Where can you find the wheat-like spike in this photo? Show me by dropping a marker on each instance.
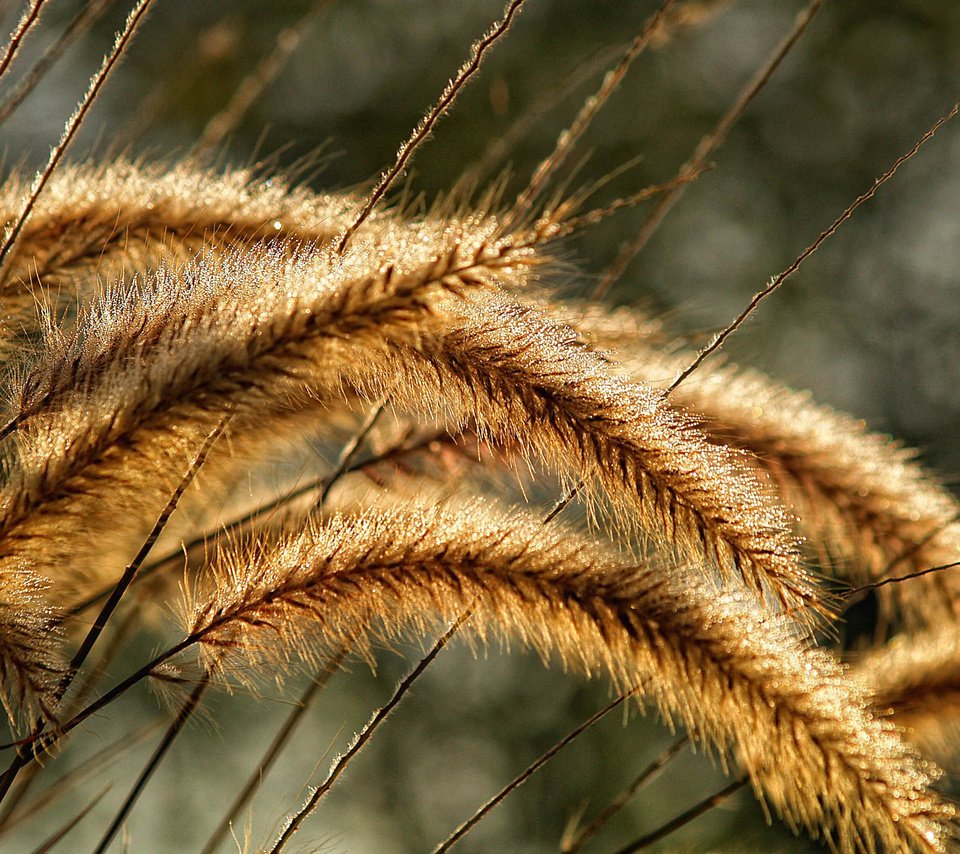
(860, 496)
(915, 680)
(256, 333)
(736, 679)
(29, 670)
(523, 381)
(95, 224)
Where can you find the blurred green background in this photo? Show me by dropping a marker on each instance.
(871, 324)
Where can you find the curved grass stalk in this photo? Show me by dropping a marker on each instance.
(95, 225)
(869, 509)
(805, 736)
(256, 333)
(526, 384)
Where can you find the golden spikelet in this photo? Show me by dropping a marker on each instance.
(736, 678)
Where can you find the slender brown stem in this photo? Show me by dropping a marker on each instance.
(70, 131)
(644, 778)
(499, 145)
(588, 112)
(426, 125)
(718, 341)
(24, 25)
(527, 773)
(111, 753)
(704, 150)
(293, 822)
(273, 751)
(114, 599)
(349, 453)
(56, 837)
(694, 812)
(88, 15)
(175, 728)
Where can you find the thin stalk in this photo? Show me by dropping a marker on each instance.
(643, 779)
(426, 125)
(252, 86)
(588, 112)
(70, 131)
(294, 821)
(55, 838)
(88, 15)
(114, 599)
(695, 811)
(349, 453)
(527, 773)
(189, 707)
(705, 148)
(24, 25)
(722, 336)
(273, 751)
(111, 753)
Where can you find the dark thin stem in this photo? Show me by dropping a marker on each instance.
(705, 148)
(424, 128)
(500, 145)
(31, 771)
(564, 502)
(349, 453)
(897, 579)
(131, 571)
(644, 778)
(111, 753)
(88, 15)
(526, 774)
(56, 837)
(273, 751)
(718, 341)
(172, 732)
(293, 822)
(70, 131)
(114, 599)
(695, 811)
(588, 112)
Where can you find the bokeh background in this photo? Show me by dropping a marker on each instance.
(870, 324)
